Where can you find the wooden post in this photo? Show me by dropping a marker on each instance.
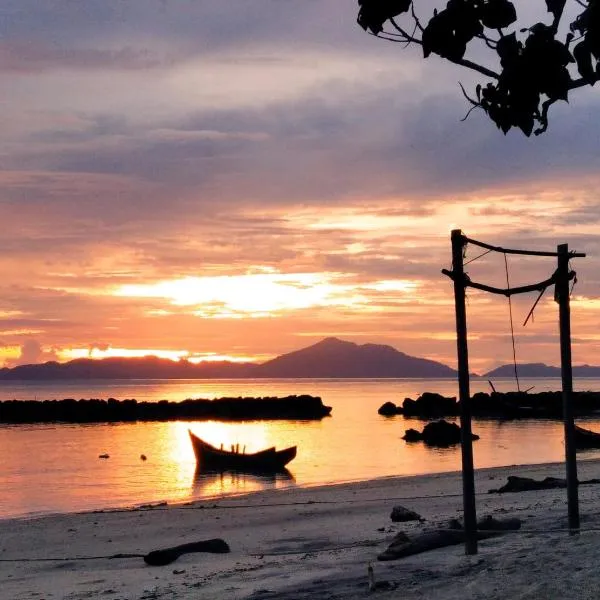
(562, 296)
(468, 476)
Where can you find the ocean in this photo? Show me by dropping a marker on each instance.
(50, 468)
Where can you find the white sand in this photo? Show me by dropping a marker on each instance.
(313, 543)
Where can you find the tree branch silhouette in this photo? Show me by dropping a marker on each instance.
(534, 69)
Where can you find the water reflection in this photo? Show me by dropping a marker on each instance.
(356, 443)
(213, 483)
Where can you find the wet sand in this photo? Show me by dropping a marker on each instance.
(313, 543)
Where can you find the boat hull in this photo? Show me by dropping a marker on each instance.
(210, 458)
(586, 439)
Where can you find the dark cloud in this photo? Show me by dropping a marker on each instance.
(80, 34)
(177, 157)
(349, 145)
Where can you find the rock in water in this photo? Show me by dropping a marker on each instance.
(412, 435)
(388, 409)
(437, 433)
(443, 433)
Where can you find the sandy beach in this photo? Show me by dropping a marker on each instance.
(313, 543)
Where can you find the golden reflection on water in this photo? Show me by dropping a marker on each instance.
(250, 437)
(172, 463)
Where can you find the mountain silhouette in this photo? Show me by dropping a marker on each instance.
(329, 358)
(147, 367)
(333, 357)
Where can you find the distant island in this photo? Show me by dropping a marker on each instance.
(541, 370)
(329, 358)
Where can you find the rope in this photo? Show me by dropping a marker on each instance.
(512, 329)
(72, 558)
(530, 313)
(574, 280)
(477, 257)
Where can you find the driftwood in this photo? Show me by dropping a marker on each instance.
(402, 545)
(526, 484)
(168, 555)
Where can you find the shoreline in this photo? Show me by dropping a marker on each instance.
(311, 542)
(176, 503)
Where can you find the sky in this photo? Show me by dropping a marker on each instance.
(242, 179)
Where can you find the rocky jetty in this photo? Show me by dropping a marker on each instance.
(110, 411)
(496, 405)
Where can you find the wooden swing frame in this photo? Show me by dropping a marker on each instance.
(560, 279)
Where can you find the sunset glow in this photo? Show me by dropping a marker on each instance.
(218, 192)
(259, 294)
(73, 353)
(175, 355)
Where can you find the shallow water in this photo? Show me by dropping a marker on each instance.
(50, 468)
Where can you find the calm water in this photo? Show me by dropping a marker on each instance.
(50, 468)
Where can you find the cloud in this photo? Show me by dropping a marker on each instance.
(31, 352)
(26, 57)
(148, 140)
(350, 145)
(98, 346)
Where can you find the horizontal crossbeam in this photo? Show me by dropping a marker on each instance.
(524, 289)
(512, 251)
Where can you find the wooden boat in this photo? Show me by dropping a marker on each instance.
(211, 458)
(586, 439)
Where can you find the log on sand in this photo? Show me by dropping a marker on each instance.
(168, 555)
(402, 545)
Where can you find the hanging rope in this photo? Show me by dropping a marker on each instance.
(530, 313)
(540, 287)
(574, 280)
(512, 329)
(572, 286)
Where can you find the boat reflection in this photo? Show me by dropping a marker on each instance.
(219, 483)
